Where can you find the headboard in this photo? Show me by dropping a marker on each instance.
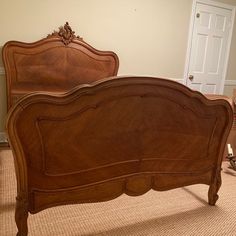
(56, 63)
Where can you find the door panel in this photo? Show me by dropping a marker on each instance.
(200, 53)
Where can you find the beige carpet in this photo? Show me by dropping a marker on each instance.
(182, 211)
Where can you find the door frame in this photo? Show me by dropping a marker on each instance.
(190, 35)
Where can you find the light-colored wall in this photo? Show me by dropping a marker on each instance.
(150, 37)
(138, 31)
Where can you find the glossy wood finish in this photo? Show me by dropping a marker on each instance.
(56, 63)
(120, 135)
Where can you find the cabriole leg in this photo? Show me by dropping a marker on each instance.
(21, 215)
(214, 188)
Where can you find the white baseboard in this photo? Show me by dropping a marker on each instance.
(227, 82)
(230, 82)
(3, 137)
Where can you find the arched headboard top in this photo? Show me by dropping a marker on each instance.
(56, 63)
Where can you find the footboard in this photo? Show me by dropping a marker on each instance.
(120, 135)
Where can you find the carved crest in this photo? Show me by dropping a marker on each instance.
(65, 33)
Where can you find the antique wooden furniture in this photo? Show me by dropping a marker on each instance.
(120, 135)
(56, 63)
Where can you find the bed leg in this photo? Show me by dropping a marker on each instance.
(21, 215)
(214, 188)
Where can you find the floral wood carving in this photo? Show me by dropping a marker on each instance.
(65, 33)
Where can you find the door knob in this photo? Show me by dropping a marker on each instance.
(191, 77)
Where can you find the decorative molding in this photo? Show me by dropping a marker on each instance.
(2, 71)
(65, 33)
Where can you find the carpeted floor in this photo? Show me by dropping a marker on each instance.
(182, 211)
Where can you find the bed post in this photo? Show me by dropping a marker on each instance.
(214, 188)
(21, 214)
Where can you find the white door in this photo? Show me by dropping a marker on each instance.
(209, 43)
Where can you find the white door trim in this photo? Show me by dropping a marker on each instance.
(187, 61)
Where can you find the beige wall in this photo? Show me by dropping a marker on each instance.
(150, 37)
(137, 30)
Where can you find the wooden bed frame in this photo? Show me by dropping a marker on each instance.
(56, 63)
(119, 135)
